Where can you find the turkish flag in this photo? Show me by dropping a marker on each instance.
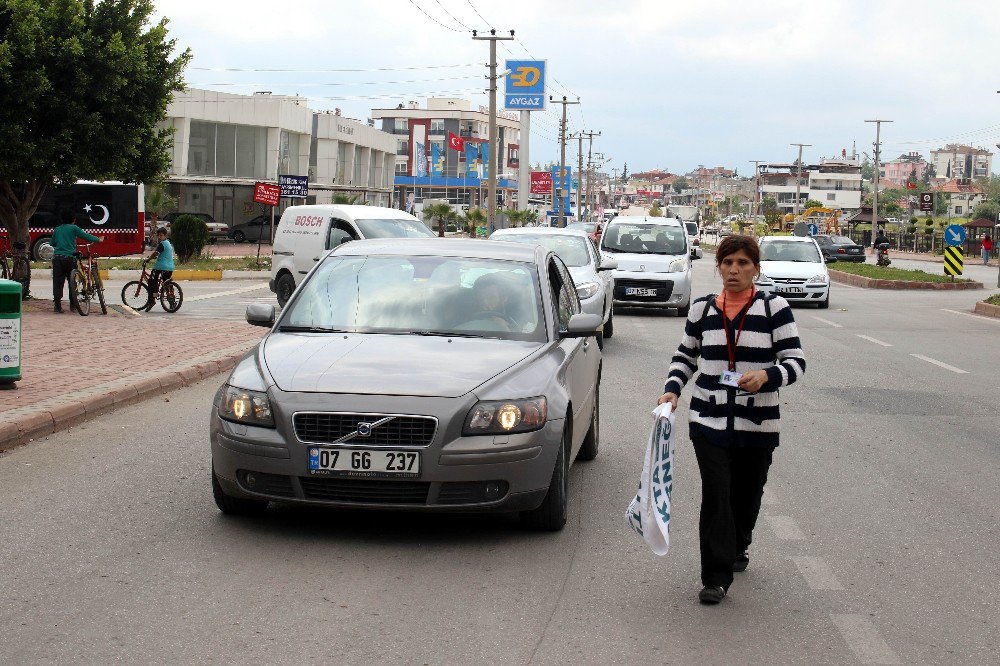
(911, 186)
(455, 142)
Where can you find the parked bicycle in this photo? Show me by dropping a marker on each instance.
(85, 283)
(14, 265)
(136, 294)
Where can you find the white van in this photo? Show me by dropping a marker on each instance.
(305, 233)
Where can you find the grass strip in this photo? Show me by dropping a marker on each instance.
(890, 273)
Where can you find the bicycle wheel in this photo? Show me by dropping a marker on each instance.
(171, 296)
(135, 295)
(78, 287)
(99, 288)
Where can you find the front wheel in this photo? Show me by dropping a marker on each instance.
(171, 296)
(592, 442)
(135, 295)
(78, 287)
(683, 312)
(95, 275)
(284, 288)
(551, 514)
(825, 303)
(609, 325)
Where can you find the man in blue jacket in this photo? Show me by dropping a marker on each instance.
(64, 261)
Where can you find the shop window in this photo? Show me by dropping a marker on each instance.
(201, 149)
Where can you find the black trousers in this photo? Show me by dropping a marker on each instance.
(732, 484)
(62, 267)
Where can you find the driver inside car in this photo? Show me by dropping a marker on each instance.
(491, 303)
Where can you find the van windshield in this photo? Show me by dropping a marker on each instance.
(398, 228)
(644, 239)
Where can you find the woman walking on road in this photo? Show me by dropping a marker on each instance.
(749, 347)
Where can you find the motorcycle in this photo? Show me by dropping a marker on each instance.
(883, 255)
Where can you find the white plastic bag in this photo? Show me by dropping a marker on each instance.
(649, 512)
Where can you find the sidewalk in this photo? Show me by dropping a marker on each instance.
(75, 368)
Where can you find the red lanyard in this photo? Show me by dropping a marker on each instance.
(730, 344)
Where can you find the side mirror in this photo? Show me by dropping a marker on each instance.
(608, 265)
(582, 326)
(260, 314)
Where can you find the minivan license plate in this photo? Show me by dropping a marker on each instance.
(639, 291)
(363, 463)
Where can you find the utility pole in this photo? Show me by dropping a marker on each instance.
(492, 169)
(756, 192)
(798, 178)
(579, 174)
(590, 149)
(878, 148)
(562, 159)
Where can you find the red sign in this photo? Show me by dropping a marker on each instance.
(267, 194)
(541, 182)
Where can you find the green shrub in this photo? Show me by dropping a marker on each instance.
(189, 234)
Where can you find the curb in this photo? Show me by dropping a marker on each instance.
(987, 309)
(25, 424)
(872, 283)
(185, 275)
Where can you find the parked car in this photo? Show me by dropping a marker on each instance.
(254, 229)
(694, 239)
(216, 230)
(592, 229)
(840, 248)
(305, 233)
(794, 267)
(654, 262)
(419, 374)
(592, 276)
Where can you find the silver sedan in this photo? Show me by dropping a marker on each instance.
(437, 374)
(592, 274)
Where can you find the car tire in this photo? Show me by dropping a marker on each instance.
(683, 312)
(550, 516)
(825, 303)
(235, 506)
(609, 325)
(239, 237)
(284, 287)
(592, 442)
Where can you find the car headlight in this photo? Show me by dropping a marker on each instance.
(818, 279)
(586, 289)
(243, 406)
(763, 279)
(499, 417)
(677, 265)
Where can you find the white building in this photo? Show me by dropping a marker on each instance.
(224, 143)
(835, 183)
(960, 161)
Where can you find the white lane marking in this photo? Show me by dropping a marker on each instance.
(875, 340)
(977, 317)
(216, 294)
(785, 528)
(828, 322)
(864, 640)
(817, 573)
(940, 364)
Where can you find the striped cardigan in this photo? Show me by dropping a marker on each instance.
(720, 413)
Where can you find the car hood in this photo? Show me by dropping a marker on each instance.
(371, 364)
(650, 263)
(792, 269)
(582, 274)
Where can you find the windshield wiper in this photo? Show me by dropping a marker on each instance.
(445, 334)
(288, 328)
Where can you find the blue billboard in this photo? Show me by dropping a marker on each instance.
(524, 85)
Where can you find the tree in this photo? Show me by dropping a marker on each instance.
(441, 212)
(82, 88)
(680, 184)
(811, 203)
(520, 218)
(189, 234)
(625, 172)
(655, 210)
(867, 169)
(987, 209)
(158, 204)
(344, 199)
(473, 218)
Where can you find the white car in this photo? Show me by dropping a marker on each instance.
(590, 272)
(694, 239)
(654, 262)
(794, 267)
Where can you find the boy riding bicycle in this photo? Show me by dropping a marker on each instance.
(163, 269)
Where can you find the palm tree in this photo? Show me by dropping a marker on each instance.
(345, 199)
(473, 218)
(520, 218)
(158, 204)
(441, 212)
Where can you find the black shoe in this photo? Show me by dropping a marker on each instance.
(711, 594)
(58, 309)
(741, 562)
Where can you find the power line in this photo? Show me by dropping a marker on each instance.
(396, 95)
(324, 71)
(360, 83)
(454, 18)
(481, 17)
(448, 27)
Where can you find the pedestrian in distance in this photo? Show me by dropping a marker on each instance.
(64, 259)
(987, 248)
(743, 345)
(163, 268)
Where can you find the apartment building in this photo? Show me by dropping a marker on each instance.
(961, 161)
(898, 171)
(835, 183)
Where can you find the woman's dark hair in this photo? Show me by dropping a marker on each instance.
(735, 243)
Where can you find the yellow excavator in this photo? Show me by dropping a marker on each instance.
(827, 219)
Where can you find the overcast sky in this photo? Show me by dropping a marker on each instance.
(669, 85)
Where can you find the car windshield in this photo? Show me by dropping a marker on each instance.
(420, 295)
(571, 249)
(582, 226)
(789, 251)
(692, 228)
(398, 228)
(644, 239)
(841, 240)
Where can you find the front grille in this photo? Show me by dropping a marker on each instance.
(663, 289)
(789, 280)
(472, 492)
(326, 428)
(365, 491)
(275, 485)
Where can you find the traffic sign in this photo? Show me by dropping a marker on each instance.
(813, 229)
(954, 234)
(953, 260)
(927, 202)
(266, 193)
(524, 85)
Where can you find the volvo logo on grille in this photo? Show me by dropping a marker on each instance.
(364, 429)
(642, 267)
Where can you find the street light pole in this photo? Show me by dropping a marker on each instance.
(491, 210)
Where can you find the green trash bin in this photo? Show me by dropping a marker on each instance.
(10, 333)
